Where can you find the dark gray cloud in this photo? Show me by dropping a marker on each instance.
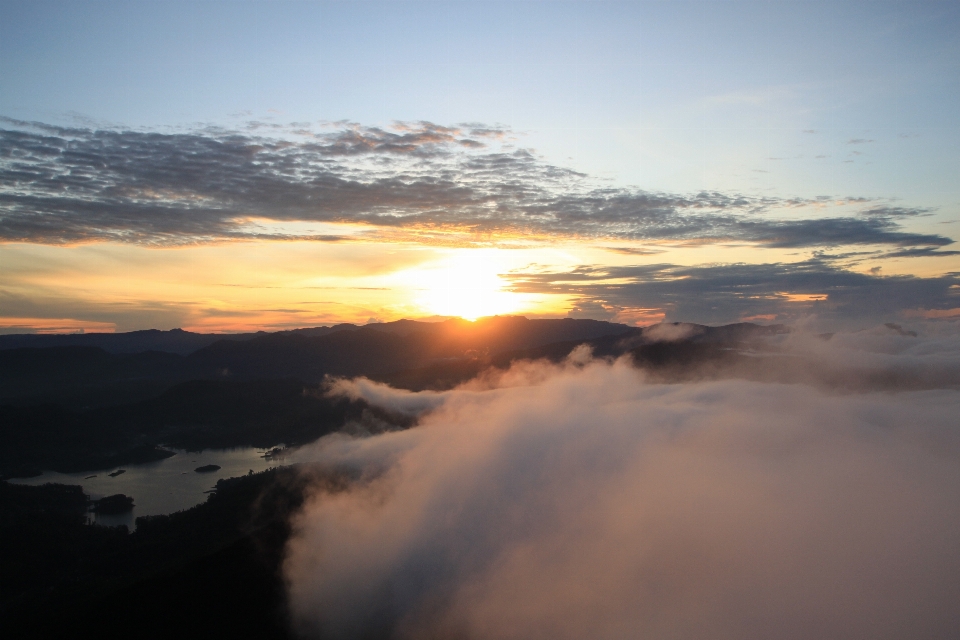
(727, 293)
(918, 252)
(60, 184)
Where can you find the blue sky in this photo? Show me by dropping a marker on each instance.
(662, 95)
(763, 99)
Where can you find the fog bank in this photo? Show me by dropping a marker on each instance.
(578, 501)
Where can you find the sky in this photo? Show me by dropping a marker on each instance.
(234, 166)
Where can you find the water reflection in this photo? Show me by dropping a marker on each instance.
(167, 485)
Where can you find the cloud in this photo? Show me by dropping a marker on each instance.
(400, 402)
(45, 307)
(67, 185)
(890, 212)
(419, 138)
(635, 251)
(669, 332)
(715, 294)
(934, 313)
(920, 252)
(587, 503)
(827, 232)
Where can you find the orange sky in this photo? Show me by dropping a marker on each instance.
(270, 285)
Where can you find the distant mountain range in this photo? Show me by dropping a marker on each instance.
(97, 369)
(173, 341)
(501, 330)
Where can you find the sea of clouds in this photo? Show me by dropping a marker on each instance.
(581, 500)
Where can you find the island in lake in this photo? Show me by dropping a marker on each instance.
(207, 468)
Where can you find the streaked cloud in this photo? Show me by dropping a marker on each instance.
(635, 251)
(728, 292)
(919, 252)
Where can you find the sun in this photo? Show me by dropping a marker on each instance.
(466, 284)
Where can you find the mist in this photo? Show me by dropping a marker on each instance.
(585, 500)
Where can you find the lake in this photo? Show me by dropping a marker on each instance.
(164, 486)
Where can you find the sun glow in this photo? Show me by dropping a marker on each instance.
(466, 284)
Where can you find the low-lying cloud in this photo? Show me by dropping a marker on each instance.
(579, 500)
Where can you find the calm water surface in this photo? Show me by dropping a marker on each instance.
(165, 486)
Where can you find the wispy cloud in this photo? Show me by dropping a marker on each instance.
(635, 251)
(67, 185)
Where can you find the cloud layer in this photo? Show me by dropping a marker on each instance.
(577, 501)
(723, 293)
(62, 185)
